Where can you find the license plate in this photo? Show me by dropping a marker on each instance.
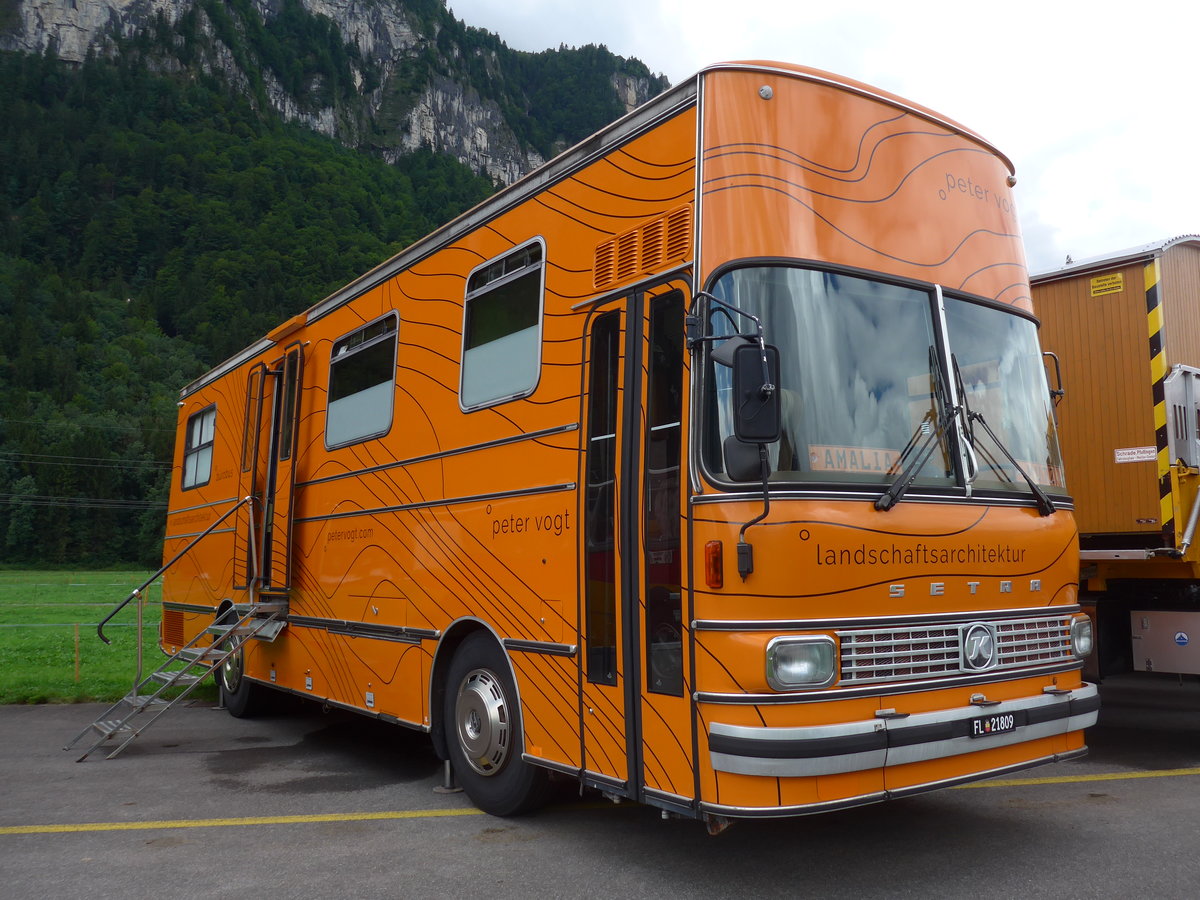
(985, 726)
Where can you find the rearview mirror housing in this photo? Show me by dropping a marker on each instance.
(756, 406)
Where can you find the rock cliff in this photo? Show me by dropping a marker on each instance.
(417, 78)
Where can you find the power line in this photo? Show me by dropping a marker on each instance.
(4, 420)
(92, 462)
(80, 502)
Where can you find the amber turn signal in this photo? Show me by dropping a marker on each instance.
(714, 565)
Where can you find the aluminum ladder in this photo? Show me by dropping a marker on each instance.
(156, 694)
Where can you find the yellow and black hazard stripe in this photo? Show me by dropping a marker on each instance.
(1158, 378)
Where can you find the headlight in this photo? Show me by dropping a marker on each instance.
(801, 662)
(1081, 636)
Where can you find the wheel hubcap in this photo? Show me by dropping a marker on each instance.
(231, 672)
(482, 721)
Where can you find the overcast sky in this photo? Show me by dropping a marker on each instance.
(1097, 109)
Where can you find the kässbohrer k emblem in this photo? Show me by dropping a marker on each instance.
(979, 646)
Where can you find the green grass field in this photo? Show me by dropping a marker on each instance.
(39, 612)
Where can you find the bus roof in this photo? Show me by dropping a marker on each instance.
(666, 105)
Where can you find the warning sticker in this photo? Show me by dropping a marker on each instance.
(1108, 284)
(1135, 454)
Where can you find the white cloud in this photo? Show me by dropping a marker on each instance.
(1092, 102)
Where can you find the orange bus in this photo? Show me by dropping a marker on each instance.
(713, 465)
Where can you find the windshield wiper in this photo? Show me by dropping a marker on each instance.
(924, 448)
(1044, 504)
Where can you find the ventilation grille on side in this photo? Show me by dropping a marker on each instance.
(645, 249)
(172, 628)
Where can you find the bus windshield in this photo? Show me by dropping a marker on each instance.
(863, 384)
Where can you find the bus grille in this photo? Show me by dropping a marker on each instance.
(930, 651)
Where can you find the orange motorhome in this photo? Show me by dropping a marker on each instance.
(712, 465)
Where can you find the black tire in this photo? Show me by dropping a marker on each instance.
(483, 731)
(242, 697)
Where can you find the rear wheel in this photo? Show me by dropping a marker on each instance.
(242, 697)
(483, 731)
(239, 695)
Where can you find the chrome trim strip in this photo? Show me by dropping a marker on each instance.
(191, 534)
(470, 448)
(449, 501)
(871, 623)
(400, 633)
(547, 648)
(771, 812)
(183, 509)
(668, 797)
(798, 752)
(565, 769)
(603, 782)
(1018, 501)
(856, 746)
(882, 689)
(188, 607)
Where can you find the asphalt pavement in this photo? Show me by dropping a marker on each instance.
(315, 804)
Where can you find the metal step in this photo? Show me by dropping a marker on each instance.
(179, 677)
(267, 631)
(198, 655)
(198, 662)
(109, 727)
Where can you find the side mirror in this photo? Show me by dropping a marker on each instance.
(1056, 393)
(756, 406)
(743, 462)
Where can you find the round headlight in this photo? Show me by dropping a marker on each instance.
(801, 662)
(1082, 640)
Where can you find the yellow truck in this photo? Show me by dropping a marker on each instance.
(1124, 334)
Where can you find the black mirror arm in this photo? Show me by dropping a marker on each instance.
(745, 552)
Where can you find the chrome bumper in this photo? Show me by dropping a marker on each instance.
(875, 743)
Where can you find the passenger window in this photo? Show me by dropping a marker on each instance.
(502, 333)
(362, 375)
(197, 452)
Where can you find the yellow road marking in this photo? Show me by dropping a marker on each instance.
(471, 811)
(1076, 779)
(248, 820)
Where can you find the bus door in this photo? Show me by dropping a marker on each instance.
(636, 720)
(264, 537)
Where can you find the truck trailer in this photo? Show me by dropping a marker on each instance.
(1124, 331)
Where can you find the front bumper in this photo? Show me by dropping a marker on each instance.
(894, 741)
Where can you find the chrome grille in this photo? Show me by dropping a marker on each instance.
(929, 651)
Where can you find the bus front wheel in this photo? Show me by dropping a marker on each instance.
(483, 729)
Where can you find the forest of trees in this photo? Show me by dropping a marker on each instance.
(153, 224)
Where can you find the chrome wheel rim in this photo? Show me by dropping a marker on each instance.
(482, 721)
(231, 672)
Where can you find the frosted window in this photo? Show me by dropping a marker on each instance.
(362, 373)
(502, 334)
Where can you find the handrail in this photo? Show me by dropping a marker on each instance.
(136, 592)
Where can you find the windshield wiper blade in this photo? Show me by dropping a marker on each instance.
(904, 480)
(1044, 504)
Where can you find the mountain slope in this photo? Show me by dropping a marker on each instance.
(164, 202)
